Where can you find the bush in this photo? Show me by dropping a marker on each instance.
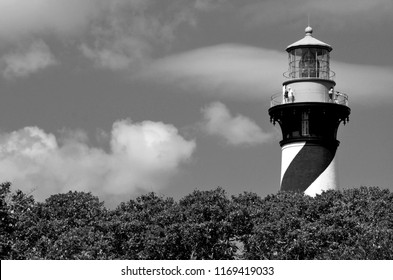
(144, 228)
(206, 230)
(349, 224)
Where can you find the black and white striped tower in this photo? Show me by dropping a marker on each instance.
(309, 111)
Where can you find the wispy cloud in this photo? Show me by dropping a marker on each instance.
(130, 33)
(334, 14)
(20, 18)
(121, 54)
(27, 60)
(228, 70)
(243, 72)
(142, 156)
(113, 34)
(235, 130)
(365, 84)
(26, 25)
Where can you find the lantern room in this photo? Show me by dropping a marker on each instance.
(309, 58)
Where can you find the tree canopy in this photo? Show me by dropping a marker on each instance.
(348, 224)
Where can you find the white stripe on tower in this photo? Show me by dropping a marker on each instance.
(288, 153)
(326, 181)
(309, 166)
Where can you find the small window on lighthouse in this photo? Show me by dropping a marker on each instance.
(305, 124)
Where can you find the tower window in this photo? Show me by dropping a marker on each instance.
(305, 124)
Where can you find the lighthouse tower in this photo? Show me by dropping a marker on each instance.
(309, 110)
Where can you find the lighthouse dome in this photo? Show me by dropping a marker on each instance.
(309, 41)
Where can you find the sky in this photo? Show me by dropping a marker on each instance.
(124, 97)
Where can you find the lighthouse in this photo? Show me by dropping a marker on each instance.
(309, 111)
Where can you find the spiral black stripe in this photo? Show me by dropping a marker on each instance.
(307, 166)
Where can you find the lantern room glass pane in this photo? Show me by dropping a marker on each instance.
(309, 63)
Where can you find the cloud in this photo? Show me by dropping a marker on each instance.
(236, 131)
(365, 84)
(128, 34)
(115, 34)
(142, 156)
(27, 26)
(248, 73)
(121, 54)
(336, 14)
(151, 151)
(131, 33)
(209, 5)
(228, 70)
(123, 35)
(27, 60)
(20, 18)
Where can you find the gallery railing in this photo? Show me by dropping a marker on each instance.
(337, 98)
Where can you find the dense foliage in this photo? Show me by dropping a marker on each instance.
(349, 224)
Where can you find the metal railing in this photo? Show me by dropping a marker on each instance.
(309, 73)
(336, 98)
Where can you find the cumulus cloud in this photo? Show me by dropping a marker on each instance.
(142, 156)
(27, 60)
(235, 130)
